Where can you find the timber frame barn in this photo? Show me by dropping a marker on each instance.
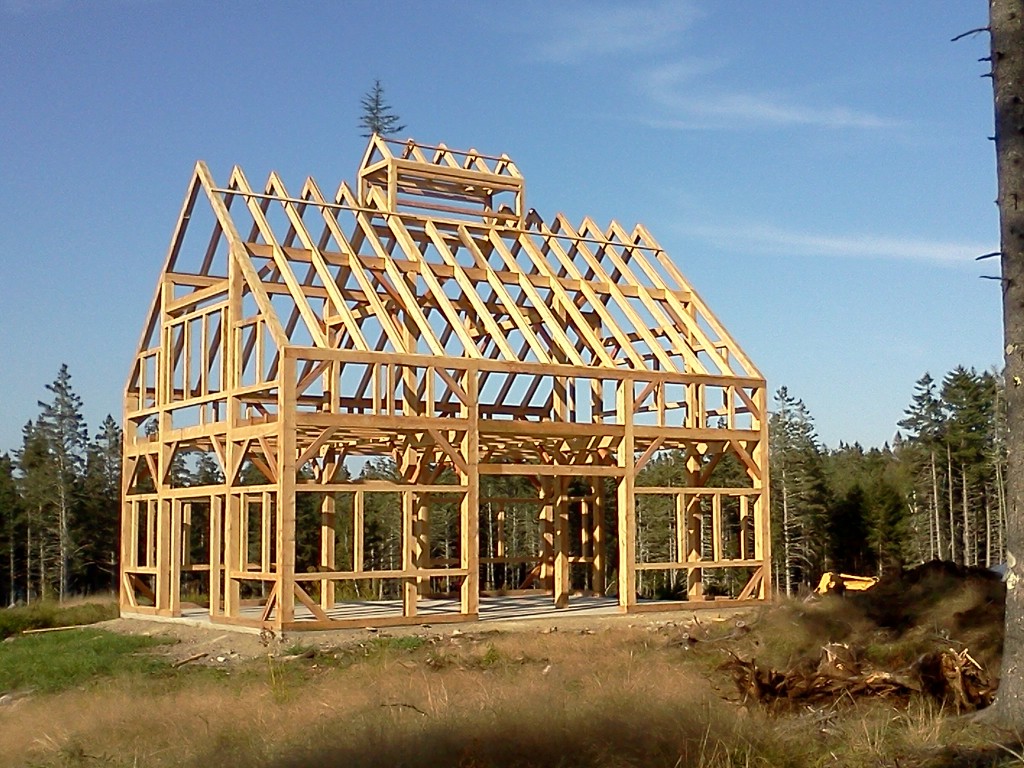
(430, 319)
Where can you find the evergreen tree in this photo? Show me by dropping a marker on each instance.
(924, 422)
(799, 492)
(10, 517)
(968, 402)
(97, 530)
(35, 486)
(382, 520)
(207, 471)
(870, 524)
(62, 427)
(889, 527)
(377, 117)
(848, 526)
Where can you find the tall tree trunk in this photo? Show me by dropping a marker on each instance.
(786, 537)
(968, 549)
(62, 544)
(988, 530)
(1007, 36)
(28, 558)
(1000, 510)
(43, 586)
(951, 509)
(11, 545)
(640, 548)
(935, 506)
(915, 515)
(931, 533)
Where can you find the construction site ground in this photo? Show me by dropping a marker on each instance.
(935, 607)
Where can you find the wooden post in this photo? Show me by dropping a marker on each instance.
(162, 585)
(232, 554)
(286, 457)
(234, 509)
(421, 540)
(694, 521)
(547, 534)
(599, 565)
(410, 590)
(470, 513)
(762, 503)
(559, 501)
(174, 552)
(216, 554)
(358, 521)
(625, 459)
(186, 533)
(328, 543)
(129, 550)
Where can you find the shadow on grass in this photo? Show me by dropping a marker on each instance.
(624, 733)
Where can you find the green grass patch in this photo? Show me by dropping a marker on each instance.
(52, 614)
(379, 649)
(405, 643)
(60, 660)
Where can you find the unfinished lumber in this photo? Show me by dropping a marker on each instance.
(428, 317)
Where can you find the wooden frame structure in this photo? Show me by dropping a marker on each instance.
(430, 317)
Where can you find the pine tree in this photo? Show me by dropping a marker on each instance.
(207, 472)
(382, 519)
(97, 530)
(848, 526)
(10, 517)
(924, 422)
(35, 486)
(377, 117)
(799, 492)
(62, 427)
(968, 401)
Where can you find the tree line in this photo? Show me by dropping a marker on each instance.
(60, 502)
(937, 492)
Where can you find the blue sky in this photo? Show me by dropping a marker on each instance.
(820, 172)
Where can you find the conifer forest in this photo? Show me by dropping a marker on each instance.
(936, 492)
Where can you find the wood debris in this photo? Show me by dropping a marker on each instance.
(53, 629)
(953, 678)
(193, 657)
(957, 680)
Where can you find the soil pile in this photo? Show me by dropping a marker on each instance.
(935, 630)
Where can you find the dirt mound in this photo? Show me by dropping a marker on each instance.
(937, 591)
(936, 629)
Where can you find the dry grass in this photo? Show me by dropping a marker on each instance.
(643, 695)
(519, 699)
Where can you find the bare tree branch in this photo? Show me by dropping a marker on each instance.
(969, 33)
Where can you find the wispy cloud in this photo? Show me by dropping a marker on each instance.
(766, 239)
(689, 101)
(741, 110)
(687, 93)
(579, 31)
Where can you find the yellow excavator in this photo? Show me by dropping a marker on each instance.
(837, 583)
